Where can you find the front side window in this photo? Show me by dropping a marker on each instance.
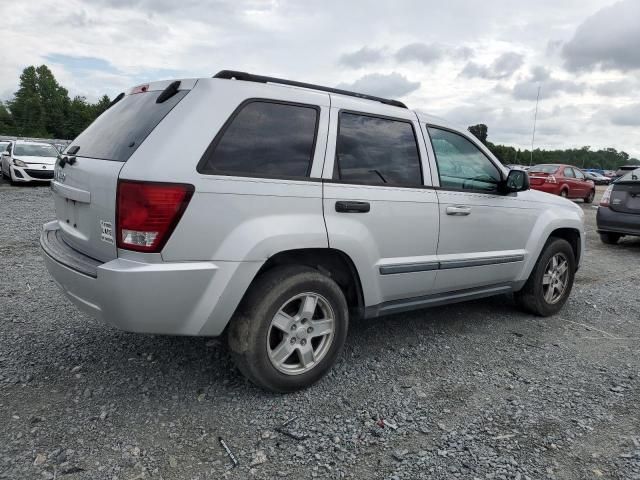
(461, 165)
(377, 151)
(265, 139)
(579, 174)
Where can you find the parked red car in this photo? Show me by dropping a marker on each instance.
(563, 180)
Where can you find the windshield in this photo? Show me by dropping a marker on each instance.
(632, 176)
(35, 150)
(544, 168)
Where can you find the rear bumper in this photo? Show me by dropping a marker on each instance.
(176, 298)
(608, 220)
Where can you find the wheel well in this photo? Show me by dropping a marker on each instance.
(333, 263)
(572, 236)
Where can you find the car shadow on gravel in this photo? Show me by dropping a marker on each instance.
(95, 357)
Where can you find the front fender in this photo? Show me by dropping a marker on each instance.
(551, 219)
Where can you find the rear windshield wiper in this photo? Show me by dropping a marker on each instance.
(116, 100)
(168, 92)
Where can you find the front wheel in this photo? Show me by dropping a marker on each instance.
(551, 280)
(289, 329)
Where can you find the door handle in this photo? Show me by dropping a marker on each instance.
(352, 207)
(459, 210)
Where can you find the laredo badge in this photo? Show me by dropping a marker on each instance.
(107, 232)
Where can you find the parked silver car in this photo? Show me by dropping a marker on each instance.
(275, 211)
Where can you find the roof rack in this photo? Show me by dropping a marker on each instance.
(249, 77)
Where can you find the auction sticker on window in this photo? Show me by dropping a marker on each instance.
(107, 231)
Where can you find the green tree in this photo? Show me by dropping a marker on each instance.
(6, 121)
(101, 106)
(80, 115)
(26, 107)
(480, 131)
(54, 100)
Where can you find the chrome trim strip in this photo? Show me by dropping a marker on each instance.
(447, 264)
(478, 262)
(409, 268)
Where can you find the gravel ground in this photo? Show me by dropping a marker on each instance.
(475, 390)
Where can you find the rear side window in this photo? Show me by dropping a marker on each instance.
(375, 151)
(632, 176)
(265, 139)
(119, 131)
(568, 172)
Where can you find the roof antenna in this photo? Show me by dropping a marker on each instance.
(535, 118)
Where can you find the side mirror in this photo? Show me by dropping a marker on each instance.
(517, 181)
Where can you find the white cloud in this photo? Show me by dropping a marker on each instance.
(415, 52)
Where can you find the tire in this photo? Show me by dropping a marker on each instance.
(564, 193)
(532, 296)
(610, 238)
(590, 197)
(253, 338)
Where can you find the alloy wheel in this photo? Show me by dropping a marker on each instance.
(555, 278)
(301, 333)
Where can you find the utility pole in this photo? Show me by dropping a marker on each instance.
(535, 118)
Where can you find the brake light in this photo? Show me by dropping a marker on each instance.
(139, 89)
(606, 196)
(147, 213)
(551, 179)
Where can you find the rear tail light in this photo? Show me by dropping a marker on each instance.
(551, 179)
(147, 213)
(606, 196)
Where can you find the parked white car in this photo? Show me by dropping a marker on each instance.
(274, 212)
(24, 161)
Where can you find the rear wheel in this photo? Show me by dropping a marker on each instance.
(289, 329)
(564, 193)
(589, 198)
(551, 280)
(610, 238)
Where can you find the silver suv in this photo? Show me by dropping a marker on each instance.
(274, 212)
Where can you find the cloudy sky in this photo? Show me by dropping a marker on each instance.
(469, 61)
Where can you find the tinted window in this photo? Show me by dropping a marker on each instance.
(568, 172)
(461, 165)
(119, 131)
(376, 150)
(265, 139)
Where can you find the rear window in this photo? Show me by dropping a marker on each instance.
(119, 131)
(632, 176)
(544, 168)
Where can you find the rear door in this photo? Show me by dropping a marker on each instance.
(86, 174)
(376, 207)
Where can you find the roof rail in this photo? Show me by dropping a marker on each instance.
(249, 77)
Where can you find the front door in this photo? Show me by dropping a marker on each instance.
(376, 207)
(483, 234)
